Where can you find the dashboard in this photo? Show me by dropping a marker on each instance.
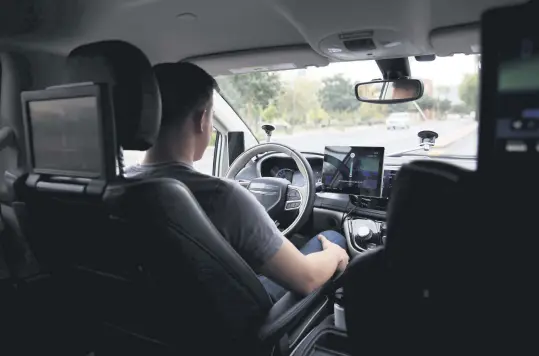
(333, 209)
(280, 165)
(285, 167)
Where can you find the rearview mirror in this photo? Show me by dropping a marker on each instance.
(389, 91)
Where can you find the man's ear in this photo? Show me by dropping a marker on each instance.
(199, 122)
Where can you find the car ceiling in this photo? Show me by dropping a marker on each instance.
(212, 27)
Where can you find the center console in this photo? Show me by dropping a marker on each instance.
(357, 177)
(355, 184)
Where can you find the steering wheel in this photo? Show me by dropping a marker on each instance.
(278, 195)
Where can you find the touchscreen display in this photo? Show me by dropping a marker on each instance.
(387, 183)
(353, 170)
(66, 135)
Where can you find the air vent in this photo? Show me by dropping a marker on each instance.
(364, 44)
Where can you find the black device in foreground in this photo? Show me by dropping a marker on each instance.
(71, 132)
(509, 125)
(353, 170)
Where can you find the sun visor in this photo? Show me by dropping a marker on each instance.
(260, 60)
(447, 41)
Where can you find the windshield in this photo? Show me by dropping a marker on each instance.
(316, 107)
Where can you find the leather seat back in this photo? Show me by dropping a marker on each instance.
(409, 295)
(141, 269)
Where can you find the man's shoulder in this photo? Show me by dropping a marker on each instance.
(230, 184)
(199, 183)
(176, 171)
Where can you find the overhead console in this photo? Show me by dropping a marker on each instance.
(366, 44)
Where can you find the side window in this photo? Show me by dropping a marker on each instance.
(207, 163)
(132, 158)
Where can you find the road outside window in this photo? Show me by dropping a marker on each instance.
(316, 107)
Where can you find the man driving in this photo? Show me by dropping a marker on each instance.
(186, 128)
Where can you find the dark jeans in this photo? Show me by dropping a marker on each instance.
(313, 245)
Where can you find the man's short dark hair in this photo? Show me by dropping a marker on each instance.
(186, 89)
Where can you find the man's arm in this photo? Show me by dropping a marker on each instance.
(304, 274)
(253, 234)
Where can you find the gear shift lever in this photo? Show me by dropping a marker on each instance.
(268, 129)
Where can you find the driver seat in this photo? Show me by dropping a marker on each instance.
(140, 269)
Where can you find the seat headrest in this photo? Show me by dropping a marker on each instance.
(425, 215)
(135, 92)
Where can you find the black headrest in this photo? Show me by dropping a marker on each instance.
(136, 97)
(427, 215)
(420, 284)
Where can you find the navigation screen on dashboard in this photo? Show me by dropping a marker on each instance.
(387, 183)
(353, 170)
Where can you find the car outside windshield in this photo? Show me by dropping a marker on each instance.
(316, 107)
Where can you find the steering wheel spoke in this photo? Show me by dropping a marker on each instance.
(294, 197)
(244, 183)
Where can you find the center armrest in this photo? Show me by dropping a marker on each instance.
(289, 311)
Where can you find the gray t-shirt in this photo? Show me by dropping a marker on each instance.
(235, 212)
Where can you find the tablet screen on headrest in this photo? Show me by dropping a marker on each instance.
(66, 135)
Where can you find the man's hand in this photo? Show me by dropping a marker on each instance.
(339, 252)
(305, 273)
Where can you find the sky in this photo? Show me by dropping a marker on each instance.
(447, 71)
